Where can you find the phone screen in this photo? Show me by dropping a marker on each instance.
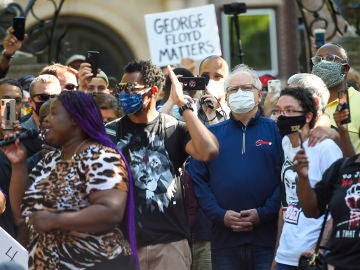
(8, 115)
(274, 86)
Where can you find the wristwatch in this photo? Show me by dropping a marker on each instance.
(6, 56)
(186, 106)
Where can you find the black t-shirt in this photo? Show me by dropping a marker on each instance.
(341, 191)
(155, 152)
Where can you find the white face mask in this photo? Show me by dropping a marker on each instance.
(241, 101)
(215, 88)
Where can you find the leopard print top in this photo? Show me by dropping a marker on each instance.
(64, 185)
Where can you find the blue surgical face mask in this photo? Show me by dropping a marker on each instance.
(132, 103)
(176, 114)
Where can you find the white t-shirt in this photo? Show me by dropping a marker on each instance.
(300, 233)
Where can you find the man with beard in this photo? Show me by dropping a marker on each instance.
(156, 145)
(331, 64)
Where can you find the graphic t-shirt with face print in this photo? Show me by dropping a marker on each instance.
(155, 152)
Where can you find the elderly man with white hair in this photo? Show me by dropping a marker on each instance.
(238, 190)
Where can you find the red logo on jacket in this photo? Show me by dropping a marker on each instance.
(261, 142)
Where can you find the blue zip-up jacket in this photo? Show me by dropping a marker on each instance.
(245, 175)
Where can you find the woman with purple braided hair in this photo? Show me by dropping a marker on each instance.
(74, 200)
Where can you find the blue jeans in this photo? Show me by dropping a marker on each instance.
(244, 257)
(280, 266)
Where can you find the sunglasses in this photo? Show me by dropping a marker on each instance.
(330, 57)
(44, 97)
(70, 87)
(129, 87)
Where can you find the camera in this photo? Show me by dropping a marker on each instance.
(234, 8)
(208, 103)
(192, 83)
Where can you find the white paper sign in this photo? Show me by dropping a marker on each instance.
(186, 33)
(12, 251)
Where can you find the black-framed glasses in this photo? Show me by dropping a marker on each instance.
(44, 97)
(286, 112)
(129, 87)
(70, 87)
(245, 87)
(330, 57)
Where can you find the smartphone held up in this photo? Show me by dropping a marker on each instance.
(8, 114)
(344, 104)
(19, 27)
(274, 86)
(92, 57)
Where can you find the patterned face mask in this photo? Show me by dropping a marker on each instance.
(132, 103)
(329, 72)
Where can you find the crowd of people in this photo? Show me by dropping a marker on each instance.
(103, 184)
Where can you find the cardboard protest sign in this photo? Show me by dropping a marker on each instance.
(12, 251)
(186, 33)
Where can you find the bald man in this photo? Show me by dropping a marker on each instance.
(218, 70)
(331, 64)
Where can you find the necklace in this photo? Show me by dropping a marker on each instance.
(76, 149)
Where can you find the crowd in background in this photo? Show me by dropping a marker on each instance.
(146, 175)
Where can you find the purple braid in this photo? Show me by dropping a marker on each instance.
(82, 107)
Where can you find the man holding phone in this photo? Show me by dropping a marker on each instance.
(332, 66)
(11, 44)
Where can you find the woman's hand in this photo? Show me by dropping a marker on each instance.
(301, 164)
(15, 152)
(42, 221)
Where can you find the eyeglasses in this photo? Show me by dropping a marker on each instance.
(129, 87)
(330, 57)
(285, 112)
(244, 87)
(70, 87)
(44, 97)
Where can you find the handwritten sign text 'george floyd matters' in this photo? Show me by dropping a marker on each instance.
(186, 33)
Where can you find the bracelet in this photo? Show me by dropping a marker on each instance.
(186, 106)
(6, 56)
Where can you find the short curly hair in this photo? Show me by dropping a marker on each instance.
(305, 98)
(151, 74)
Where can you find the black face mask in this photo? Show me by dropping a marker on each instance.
(290, 124)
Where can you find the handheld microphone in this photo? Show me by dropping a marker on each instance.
(29, 134)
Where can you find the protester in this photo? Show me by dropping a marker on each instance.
(156, 145)
(212, 106)
(99, 84)
(296, 112)
(11, 45)
(108, 106)
(338, 191)
(75, 61)
(77, 224)
(241, 200)
(41, 89)
(66, 75)
(331, 64)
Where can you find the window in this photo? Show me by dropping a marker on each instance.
(258, 38)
